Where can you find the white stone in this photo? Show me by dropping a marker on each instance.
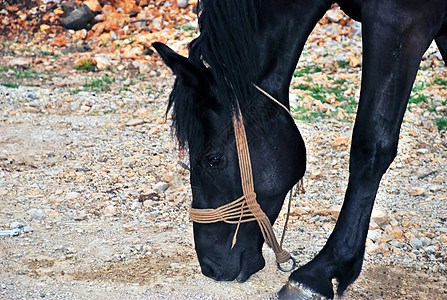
(415, 242)
(380, 217)
(72, 196)
(135, 122)
(161, 186)
(182, 3)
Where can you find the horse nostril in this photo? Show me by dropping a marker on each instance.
(208, 270)
(209, 273)
(212, 274)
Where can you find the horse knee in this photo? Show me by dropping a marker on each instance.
(370, 159)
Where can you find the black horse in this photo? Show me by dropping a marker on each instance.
(260, 41)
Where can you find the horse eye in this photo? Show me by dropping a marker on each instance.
(214, 160)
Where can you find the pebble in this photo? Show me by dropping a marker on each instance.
(374, 235)
(29, 109)
(128, 227)
(81, 217)
(416, 191)
(103, 62)
(149, 204)
(136, 205)
(397, 244)
(135, 122)
(380, 217)
(72, 196)
(127, 161)
(27, 229)
(396, 232)
(430, 249)
(110, 211)
(16, 224)
(162, 186)
(18, 62)
(425, 241)
(415, 242)
(182, 3)
(75, 105)
(371, 247)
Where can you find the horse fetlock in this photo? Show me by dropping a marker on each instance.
(328, 273)
(348, 274)
(316, 280)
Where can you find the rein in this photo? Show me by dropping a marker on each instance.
(246, 208)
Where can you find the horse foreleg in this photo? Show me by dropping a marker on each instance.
(441, 42)
(393, 49)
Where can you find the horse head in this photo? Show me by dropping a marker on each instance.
(203, 109)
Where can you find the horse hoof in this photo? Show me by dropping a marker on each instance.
(297, 291)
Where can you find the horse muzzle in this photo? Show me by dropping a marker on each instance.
(237, 267)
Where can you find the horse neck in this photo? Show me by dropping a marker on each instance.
(284, 29)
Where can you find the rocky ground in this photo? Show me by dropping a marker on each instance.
(91, 179)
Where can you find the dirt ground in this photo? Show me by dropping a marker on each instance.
(101, 200)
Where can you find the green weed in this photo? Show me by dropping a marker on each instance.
(86, 65)
(185, 27)
(302, 87)
(320, 92)
(318, 96)
(98, 83)
(28, 74)
(441, 123)
(153, 90)
(303, 114)
(418, 87)
(307, 70)
(110, 111)
(340, 81)
(348, 104)
(343, 64)
(440, 81)
(418, 98)
(47, 53)
(10, 84)
(76, 91)
(318, 114)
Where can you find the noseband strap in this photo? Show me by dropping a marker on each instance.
(245, 208)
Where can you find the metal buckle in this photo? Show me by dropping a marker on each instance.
(289, 269)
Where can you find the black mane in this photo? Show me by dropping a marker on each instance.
(227, 46)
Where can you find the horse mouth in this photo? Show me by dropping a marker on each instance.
(240, 272)
(214, 270)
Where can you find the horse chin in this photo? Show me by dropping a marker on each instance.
(243, 277)
(239, 269)
(252, 268)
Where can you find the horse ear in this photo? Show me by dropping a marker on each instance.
(182, 68)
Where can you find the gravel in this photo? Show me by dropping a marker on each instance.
(95, 184)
